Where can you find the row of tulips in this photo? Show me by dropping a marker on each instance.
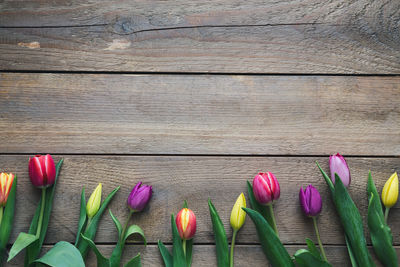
(262, 194)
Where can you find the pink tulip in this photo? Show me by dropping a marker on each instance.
(338, 165)
(42, 171)
(266, 188)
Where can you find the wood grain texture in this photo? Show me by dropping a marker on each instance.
(176, 178)
(204, 36)
(204, 255)
(172, 114)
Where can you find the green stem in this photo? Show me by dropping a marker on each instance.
(184, 246)
(126, 226)
(386, 214)
(233, 246)
(319, 239)
(271, 210)
(39, 228)
(1, 214)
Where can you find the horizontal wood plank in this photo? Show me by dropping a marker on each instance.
(196, 179)
(204, 255)
(199, 114)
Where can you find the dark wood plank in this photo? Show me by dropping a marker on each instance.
(205, 36)
(196, 179)
(204, 255)
(172, 114)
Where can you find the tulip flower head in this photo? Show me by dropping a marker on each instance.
(266, 188)
(390, 192)
(139, 197)
(238, 215)
(93, 204)
(186, 223)
(310, 201)
(42, 171)
(338, 164)
(6, 181)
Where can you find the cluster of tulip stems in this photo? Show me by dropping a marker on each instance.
(262, 193)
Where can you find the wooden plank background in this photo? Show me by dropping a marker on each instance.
(195, 98)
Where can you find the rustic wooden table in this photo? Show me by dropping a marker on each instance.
(195, 98)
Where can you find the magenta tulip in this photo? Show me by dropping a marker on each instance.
(310, 201)
(139, 197)
(266, 188)
(42, 171)
(338, 165)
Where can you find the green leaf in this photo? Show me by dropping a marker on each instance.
(221, 242)
(352, 223)
(165, 254)
(23, 240)
(305, 258)
(327, 179)
(101, 260)
(351, 254)
(185, 204)
(117, 223)
(63, 254)
(263, 210)
(82, 217)
(7, 220)
(380, 232)
(91, 230)
(179, 259)
(189, 250)
(134, 229)
(134, 262)
(313, 249)
(272, 246)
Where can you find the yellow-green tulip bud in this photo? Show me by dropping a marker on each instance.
(94, 202)
(238, 215)
(390, 191)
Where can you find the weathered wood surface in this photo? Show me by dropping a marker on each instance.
(204, 255)
(176, 178)
(199, 114)
(203, 36)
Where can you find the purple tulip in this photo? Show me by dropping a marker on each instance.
(310, 201)
(338, 165)
(139, 197)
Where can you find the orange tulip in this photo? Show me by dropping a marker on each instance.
(6, 181)
(186, 224)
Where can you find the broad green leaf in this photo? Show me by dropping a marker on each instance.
(82, 217)
(63, 254)
(134, 262)
(221, 242)
(23, 240)
(117, 223)
(101, 260)
(189, 250)
(351, 254)
(380, 232)
(272, 246)
(352, 224)
(165, 254)
(263, 210)
(134, 229)
(305, 258)
(179, 259)
(91, 229)
(313, 249)
(7, 220)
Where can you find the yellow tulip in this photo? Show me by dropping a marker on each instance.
(390, 192)
(93, 204)
(238, 215)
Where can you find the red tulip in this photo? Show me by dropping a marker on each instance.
(6, 181)
(266, 188)
(42, 171)
(186, 224)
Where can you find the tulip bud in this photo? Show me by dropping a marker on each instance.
(338, 165)
(139, 197)
(266, 188)
(42, 171)
(310, 201)
(93, 204)
(238, 215)
(390, 192)
(186, 223)
(6, 181)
